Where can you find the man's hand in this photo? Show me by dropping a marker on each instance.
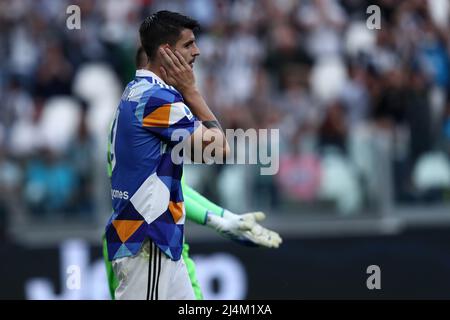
(244, 228)
(175, 71)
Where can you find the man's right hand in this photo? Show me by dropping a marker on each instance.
(175, 71)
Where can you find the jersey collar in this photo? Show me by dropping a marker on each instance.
(147, 73)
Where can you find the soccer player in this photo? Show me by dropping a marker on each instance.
(241, 228)
(144, 235)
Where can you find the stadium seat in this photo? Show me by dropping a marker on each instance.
(432, 171)
(339, 182)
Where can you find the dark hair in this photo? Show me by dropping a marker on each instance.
(163, 27)
(141, 58)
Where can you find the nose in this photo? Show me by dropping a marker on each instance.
(196, 51)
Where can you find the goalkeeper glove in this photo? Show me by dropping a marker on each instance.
(244, 228)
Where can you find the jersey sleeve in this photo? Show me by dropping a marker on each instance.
(201, 201)
(168, 117)
(197, 206)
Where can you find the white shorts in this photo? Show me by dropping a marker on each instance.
(151, 275)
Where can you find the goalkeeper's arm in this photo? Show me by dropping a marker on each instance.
(243, 228)
(198, 207)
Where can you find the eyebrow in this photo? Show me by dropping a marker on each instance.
(189, 42)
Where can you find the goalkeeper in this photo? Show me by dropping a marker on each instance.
(244, 228)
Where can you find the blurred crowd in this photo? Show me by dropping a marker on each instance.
(345, 98)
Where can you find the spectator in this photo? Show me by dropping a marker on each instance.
(257, 71)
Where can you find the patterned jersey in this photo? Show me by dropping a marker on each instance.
(147, 199)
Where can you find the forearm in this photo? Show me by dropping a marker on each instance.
(198, 105)
(195, 211)
(197, 206)
(196, 197)
(242, 228)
